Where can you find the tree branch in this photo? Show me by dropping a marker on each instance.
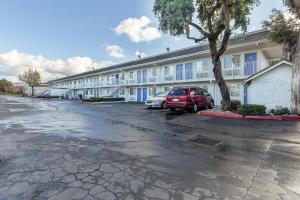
(197, 40)
(200, 29)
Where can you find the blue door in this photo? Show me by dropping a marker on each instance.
(188, 71)
(139, 94)
(250, 63)
(139, 76)
(145, 76)
(179, 69)
(144, 94)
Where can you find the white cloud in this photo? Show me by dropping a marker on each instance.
(141, 54)
(115, 51)
(14, 63)
(138, 29)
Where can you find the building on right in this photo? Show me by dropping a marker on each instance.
(270, 87)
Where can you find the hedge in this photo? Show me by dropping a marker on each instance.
(234, 104)
(251, 109)
(279, 110)
(104, 99)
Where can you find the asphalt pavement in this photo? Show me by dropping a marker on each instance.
(59, 149)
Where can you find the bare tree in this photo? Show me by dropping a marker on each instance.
(32, 78)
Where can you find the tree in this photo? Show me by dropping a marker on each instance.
(213, 20)
(286, 32)
(6, 86)
(32, 78)
(283, 30)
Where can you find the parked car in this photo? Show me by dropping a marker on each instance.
(157, 101)
(189, 98)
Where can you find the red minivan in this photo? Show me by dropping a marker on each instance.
(189, 98)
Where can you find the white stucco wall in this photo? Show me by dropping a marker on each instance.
(57, 91)
(272, 88)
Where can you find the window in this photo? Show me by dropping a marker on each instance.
(193, 91)
(153, 72)
(236, 61)
(122, 92)
(179, 72)
(86, 92)
(178, 92)
(234, 91)
(152, 91)
(232, 61)
(92, 92)
(132, 91)
(202, 66)
(188, 71)
(167, 89)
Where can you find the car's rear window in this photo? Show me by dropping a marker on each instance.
(177, 92)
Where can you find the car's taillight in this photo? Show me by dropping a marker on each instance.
(168, 98)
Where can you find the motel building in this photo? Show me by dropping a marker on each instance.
(136, 80)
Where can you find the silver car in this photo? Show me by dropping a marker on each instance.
(157, 101)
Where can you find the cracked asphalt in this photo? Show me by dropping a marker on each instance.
(60, 150)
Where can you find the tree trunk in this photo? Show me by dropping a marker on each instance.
(226, 103)
(32, 91)
(295, 93)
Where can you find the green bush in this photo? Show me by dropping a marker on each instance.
(279, 110)
(251, 109)
(53, 97)
(234, 105)
(104, 99)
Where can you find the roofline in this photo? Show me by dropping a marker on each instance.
(95, 71)
(266, 70)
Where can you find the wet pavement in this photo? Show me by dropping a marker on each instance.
(57, 149)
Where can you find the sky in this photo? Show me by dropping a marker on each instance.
(64, 37)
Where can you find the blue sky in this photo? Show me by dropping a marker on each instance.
(67, 35)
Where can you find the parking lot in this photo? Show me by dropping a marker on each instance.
(59, 149)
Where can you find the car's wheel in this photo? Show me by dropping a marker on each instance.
(164, 105)
(195, 107)
(211, 105)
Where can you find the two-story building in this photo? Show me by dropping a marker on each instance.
(138, 79)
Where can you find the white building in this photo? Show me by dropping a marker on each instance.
(270, 87)
(138, 79)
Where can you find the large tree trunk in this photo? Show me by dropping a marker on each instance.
(295, 101)
(221, 82)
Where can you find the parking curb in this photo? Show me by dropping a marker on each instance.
(259, 117)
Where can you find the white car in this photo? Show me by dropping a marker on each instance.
(157, 101)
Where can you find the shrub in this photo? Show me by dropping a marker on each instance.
(104, 99)
(279, 110)
(251, 109)
(234, 105)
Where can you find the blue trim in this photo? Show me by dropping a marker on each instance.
(246, 94)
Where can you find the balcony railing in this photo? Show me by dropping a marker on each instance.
(232, 72)
(152, 79)
(274, 61)
(169, 77)
(200, 75)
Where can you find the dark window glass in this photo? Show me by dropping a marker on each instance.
(177, 92)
